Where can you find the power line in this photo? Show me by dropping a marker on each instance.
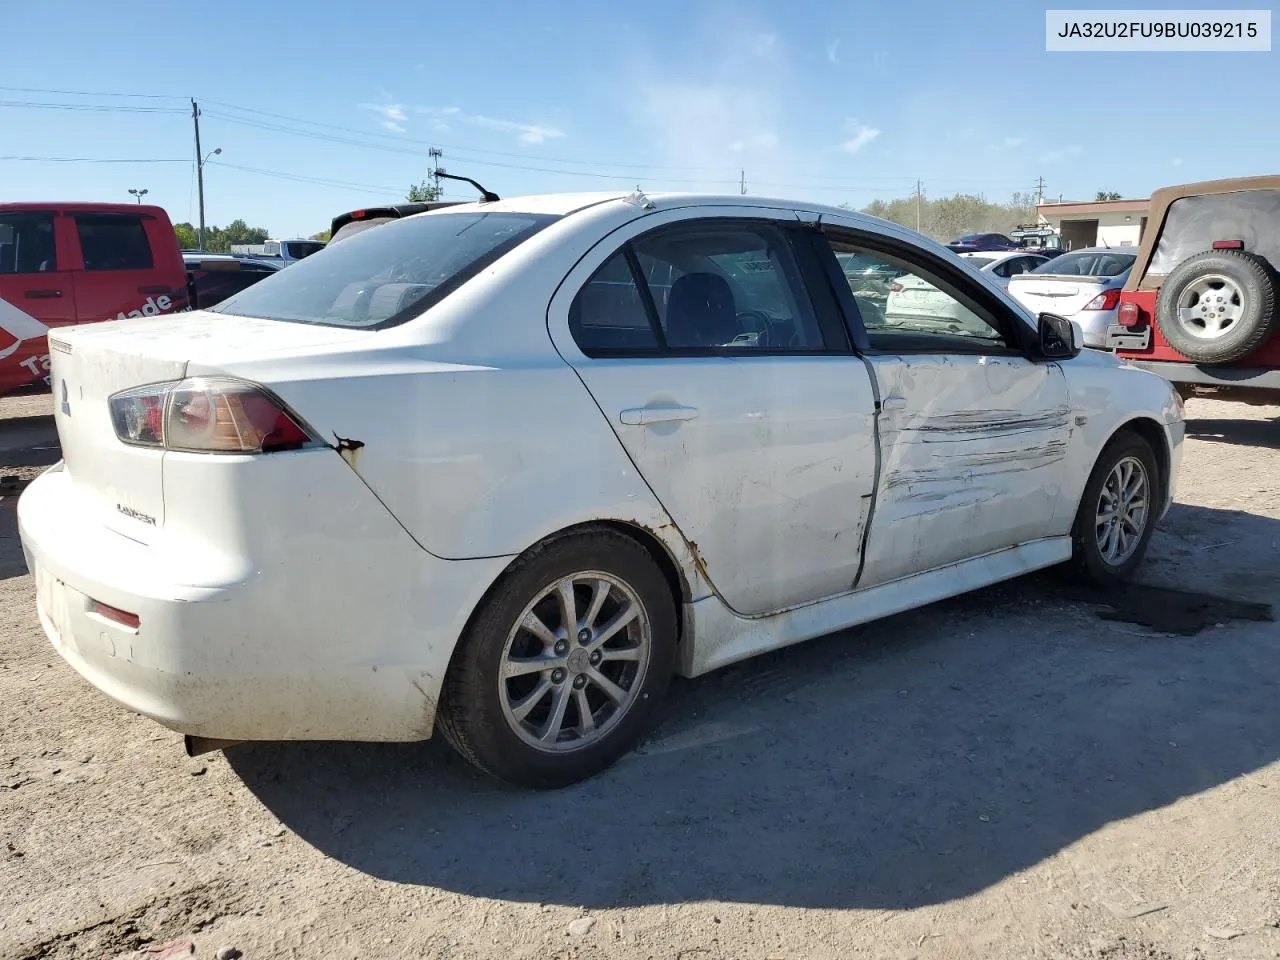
(88, 107)
(304, 178)
(86, 93)
(96, 159)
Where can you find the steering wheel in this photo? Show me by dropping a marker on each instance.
(762, 321)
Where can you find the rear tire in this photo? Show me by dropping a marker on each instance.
(1117, 512)
(541, 698)
(1218, 307)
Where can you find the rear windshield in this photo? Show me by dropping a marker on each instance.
(1088, 263)
(303, 248)
(1193, 223)
(382, 277)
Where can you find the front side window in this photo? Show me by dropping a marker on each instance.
(915, 311)
(27, 243)
(114, 243)
(385, 276)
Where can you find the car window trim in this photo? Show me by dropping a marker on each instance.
(972, 295)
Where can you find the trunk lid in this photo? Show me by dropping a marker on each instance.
(1061, 295)
(123, 484)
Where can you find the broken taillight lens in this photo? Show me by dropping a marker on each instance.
(207, 415)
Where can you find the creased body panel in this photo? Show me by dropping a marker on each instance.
(972, 459)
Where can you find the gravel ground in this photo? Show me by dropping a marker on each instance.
(1002, 775)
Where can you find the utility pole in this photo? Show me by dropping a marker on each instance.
(1039, 191)
(195, 118)
(742, 182)
(917, 206)
(435, 153)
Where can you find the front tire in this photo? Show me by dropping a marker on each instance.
(1118, 511)
(564, 663)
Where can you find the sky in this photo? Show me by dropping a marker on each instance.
(323, 107)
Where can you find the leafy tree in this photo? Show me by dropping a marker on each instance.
(946, 218)
(322, 235)
(422, 192)
(219, 239)
(188, 239)
(1106, 195)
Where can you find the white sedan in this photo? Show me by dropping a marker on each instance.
(502, 468)
(1003, 264)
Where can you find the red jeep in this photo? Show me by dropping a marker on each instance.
(68, 263)
(1202, 303)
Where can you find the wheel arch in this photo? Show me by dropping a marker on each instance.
(649, 540)
(1152, 431)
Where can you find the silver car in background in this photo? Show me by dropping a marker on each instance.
(1082, 285)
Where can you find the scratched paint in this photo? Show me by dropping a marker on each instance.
(972, 459)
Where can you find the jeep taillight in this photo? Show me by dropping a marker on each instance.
(206, 415)
(1103, 301)
(1129, 315)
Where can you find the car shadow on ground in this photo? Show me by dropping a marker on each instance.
(1249, 433)
(909, 762)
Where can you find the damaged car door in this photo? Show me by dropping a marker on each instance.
(972, 432)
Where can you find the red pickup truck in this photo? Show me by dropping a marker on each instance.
(1201, 306)
(69, 263)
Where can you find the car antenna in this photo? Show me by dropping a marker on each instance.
(486, 196)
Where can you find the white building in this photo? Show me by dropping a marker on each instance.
(1112, 223)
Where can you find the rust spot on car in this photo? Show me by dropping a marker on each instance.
(348, 448)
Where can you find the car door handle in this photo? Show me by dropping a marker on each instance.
(643, 416)
(893, 403)
(43, 294)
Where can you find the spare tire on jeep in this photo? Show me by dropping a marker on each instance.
(1218, 306)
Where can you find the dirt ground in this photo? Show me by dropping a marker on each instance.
(1002, 775)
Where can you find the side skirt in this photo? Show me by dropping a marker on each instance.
(719, 637)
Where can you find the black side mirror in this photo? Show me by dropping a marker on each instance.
(1057, 338)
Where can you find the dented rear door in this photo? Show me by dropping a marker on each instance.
(972, 455)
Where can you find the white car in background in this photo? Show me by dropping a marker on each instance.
(1082, 285)
(1004, 264)
(500, 469)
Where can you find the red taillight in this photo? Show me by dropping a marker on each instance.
(206, 415)
(1130, 315)
(357, 214)
(115, 614)
(895, 287)
(1104, 301)
(1228, 244)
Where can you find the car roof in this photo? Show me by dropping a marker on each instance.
(563, 204)
(1131, 251)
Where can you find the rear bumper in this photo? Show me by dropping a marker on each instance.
(339, 632)
(1242, 378)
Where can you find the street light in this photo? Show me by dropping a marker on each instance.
(200, 181)
(139, 193)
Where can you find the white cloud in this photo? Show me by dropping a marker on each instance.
(391, 115)
(833, 50)
(1176, 161)
(1053, 156)
(524, 132)
(1006, 143)
(758, 141)
(862, 135)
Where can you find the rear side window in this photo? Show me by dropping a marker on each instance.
(608, 314)
(114, 243)
(382, 277)
(1193, 223)
(26, 243)
(299, 249)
